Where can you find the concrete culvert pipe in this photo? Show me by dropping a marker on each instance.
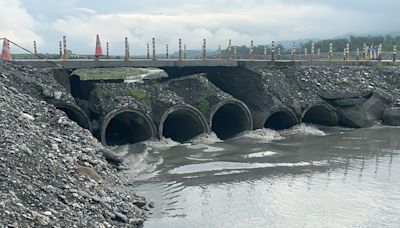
(182, 123)
(75, 114)
(281, 119)
(229, 118)
(126, 126)
(320, 114)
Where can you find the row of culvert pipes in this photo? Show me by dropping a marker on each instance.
(173, 111)
(180, 122)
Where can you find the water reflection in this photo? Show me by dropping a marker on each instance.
(342, 178)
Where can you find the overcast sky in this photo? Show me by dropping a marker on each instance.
(217, 20)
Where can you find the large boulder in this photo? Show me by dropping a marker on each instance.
(366, 114)
(342, 98)
(342, 94)
(346, 102)
(391, 116)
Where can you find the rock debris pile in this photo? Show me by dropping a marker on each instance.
(52, 172)
(305, 83)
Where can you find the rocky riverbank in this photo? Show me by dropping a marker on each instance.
(53, 172)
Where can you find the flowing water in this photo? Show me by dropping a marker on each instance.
(307, 176)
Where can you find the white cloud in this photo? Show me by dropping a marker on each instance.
(86, 10)
(262, 24)
(16, 24)
(191, 20)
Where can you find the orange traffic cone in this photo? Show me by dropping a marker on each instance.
(5, 54)
(99, 50)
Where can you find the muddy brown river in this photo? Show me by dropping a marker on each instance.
(307, 176)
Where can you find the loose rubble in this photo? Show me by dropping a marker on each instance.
(306, 83)
(360, 94)
(53, 172)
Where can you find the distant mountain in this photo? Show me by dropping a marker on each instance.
(194, 53)
(289, 43)
(393, 33)
(347, 35)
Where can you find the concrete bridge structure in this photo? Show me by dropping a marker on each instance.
(226, 96)
(176, 63)
(225, 99)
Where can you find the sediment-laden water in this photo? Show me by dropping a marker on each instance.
(307, 176)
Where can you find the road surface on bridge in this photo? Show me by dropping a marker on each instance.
(164, 63)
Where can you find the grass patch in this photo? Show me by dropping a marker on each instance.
(139, 94)
(348, 84)
(106, 92)
(203, 106)
(109, 73)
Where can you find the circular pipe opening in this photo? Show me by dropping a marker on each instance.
(75, 114)
(282, 119)
(126, 126)
(182, 123)
(230, 118)
(320, 114)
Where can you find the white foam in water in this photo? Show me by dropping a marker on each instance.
(198, 159)
(205, 147)
(120, 150)
(220, 166)
(260, 154)
(204, 142)
(347, 148)
(231, 172)
(303, 129)
(213, 149)
(162, 144)
(190, 177)
(263, 135)
(205, 138)
(142, 165)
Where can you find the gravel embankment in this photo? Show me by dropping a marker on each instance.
(52, 172)
(304, 83)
